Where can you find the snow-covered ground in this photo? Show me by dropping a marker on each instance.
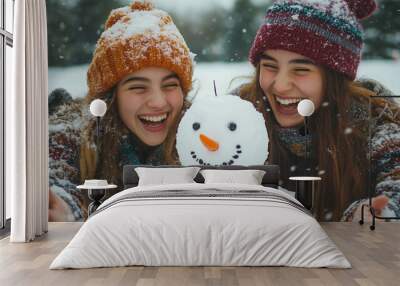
(73, 79)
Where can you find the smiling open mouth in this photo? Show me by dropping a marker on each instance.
(231, 161)
(287, 101)
(154, 123)
(146, 119)
(287, 106)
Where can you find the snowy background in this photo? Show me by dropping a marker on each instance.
(219, 32)
(226, 75)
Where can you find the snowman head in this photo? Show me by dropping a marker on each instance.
(222, 130)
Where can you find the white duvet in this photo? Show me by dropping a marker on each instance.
(200, 231)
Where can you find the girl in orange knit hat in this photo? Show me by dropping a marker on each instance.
(142, 68)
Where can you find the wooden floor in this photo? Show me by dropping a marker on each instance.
(374, 255)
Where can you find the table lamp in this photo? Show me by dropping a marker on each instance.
(306, 108)
(98, 108)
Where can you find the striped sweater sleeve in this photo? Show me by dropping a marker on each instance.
(385, 154)
(385, 158)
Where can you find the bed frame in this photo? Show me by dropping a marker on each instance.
(271, 178)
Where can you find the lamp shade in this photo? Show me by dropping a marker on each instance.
(305, 107)
(98, 107)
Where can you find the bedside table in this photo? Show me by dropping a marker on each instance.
(96, 194)
(305, 190)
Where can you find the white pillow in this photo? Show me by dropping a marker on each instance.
(248, 177)
(162, 176)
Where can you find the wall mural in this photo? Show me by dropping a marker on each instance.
(133, 57)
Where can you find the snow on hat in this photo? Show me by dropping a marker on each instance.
(326, 31)
(135, 37)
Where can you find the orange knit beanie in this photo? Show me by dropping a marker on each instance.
(136, 37)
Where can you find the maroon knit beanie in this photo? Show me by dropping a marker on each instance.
(326, 31)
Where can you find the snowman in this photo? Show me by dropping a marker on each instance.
(222, 130)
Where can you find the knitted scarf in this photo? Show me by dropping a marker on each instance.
(134, 152)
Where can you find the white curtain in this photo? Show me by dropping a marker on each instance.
(27, 124)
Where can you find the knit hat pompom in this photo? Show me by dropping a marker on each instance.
(118, 14)
(142, 6)
(138, 36)
(362, 8)
(114, 17)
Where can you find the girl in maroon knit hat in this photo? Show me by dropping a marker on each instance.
(309, 49)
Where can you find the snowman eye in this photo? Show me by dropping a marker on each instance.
(232, 126)
(196, 126)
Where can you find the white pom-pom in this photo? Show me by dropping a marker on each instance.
(98, 107)
(305, 107)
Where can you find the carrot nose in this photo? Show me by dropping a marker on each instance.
(210, 144)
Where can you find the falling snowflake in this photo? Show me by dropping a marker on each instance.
(328, 216)
(348, 130)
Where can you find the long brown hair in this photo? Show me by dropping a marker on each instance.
(114, 129)
(111, 125)
(340, 143)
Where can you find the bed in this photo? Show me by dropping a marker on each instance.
(201, 223)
